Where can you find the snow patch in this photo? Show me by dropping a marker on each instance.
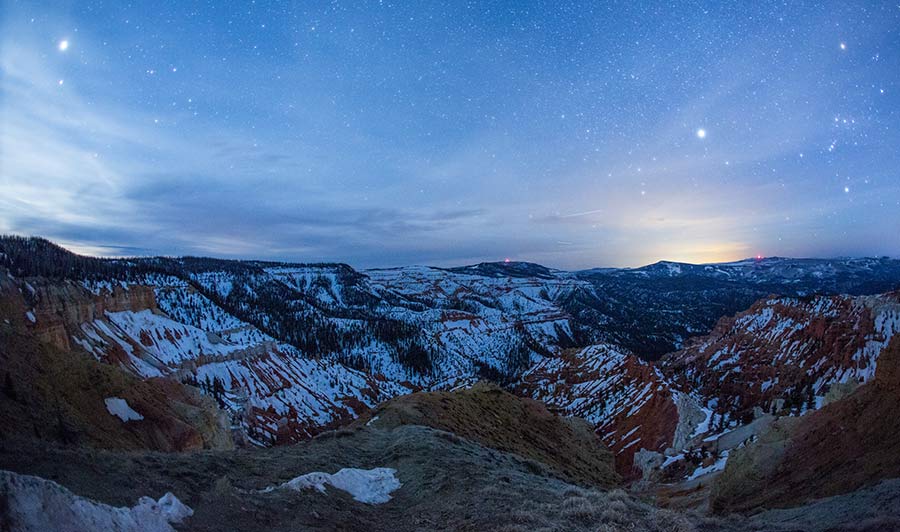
(35, 504)
(718, 465)
(119, 407)
(671, 460)
(371, 486)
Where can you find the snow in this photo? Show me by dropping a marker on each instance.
(30, 316)
(704, 425)
(185, 305)
(119, 408)
(628, 445)
(373, 420)
(35, 504)
(673, 269)
(671, 460)
(273, 378)
(718, 465)
(630, 432)
(169, 341)
(371, 486)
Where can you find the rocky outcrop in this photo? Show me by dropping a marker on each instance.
(848, 444)
(60, 307)
(60, 396)
(690, 416)
(55, 391)
(629, 404)
(783, 355)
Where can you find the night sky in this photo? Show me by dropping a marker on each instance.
(385, 133)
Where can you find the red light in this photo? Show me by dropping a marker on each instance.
(506, 260)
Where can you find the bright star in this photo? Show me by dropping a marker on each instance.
(63, 45)
(846, 190)
(701, 133)
(843, 46)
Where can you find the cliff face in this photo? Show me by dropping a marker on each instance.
(848, 444)
(784, 355)
(171, 332)
(64, 396)
(60, 308)
(56, 391)
(627, 402)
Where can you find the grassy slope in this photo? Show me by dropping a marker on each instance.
(499, 420)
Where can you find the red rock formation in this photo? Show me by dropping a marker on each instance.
(630, 406)
(784, 353)
(60, 307)
(59, 394)
(848, 444)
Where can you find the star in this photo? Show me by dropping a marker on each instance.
(843, 46)
(701, 133)
(846, 190)
(63, 45)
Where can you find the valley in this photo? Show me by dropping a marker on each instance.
(665, 381)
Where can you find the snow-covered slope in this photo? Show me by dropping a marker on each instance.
(33, 504)
(274, 392)
(783, 356)
(474, 321)
(631, 406)
(291, 349)
(786, 353)
(418, 324)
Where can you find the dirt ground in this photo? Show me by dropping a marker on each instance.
(448, 483)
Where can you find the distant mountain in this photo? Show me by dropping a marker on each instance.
(845, 275)
(668, 302)
(507, 269)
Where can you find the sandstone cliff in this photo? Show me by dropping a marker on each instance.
(54, 390)
(848, 444)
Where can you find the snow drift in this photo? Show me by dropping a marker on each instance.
(371, 486)
(36, 504)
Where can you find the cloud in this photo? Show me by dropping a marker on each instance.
(317, 159)
(100, 178)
